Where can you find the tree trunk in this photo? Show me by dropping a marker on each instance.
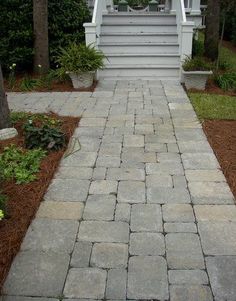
(41, 48)
(212, 29)
(4, 109)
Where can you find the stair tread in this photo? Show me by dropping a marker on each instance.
(120, 14)
(144, 54)
(138, 24)
(138, 43)
(138, 33)
(136, 66)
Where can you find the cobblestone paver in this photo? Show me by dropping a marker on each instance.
(141, 212)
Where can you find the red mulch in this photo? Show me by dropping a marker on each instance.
(57, 86)
(221, 135)
(24, 200)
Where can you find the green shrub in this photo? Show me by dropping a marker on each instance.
(80, 58)
(3, 201)
(197, 64)
(20, 165)
(45, 137)
(65, 19)
(133, 3)
(226, 81)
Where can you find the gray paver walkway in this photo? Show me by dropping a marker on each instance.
(142, 211)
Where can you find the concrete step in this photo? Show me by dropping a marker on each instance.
(142, 59)
(138, 28)
(141, 48)
(139, 71)
(129, 18)
(119, 37)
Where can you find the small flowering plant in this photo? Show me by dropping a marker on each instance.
(12, 76)
(1, 215)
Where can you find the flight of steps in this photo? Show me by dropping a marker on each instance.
(140, 46)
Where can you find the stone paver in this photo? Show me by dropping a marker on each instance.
(85, 283)
(109, 255)
(141, 212)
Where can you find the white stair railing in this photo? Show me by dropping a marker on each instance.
(93, 29)
(185, 30)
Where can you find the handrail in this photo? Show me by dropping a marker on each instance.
(93, 29)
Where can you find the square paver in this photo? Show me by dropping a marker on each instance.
(178, 213)
(81, 254)
(50, 235)
(133, 141)
(146, 217)
(189, 277)
(122, 213)
(199, 161)
(100, 207)
(61, 210)
(217, 213)
(99, 231)
(80, 173)
(147, 244)
(218, 238)
(103, 187)
(222, 273)
(126, 174)
(131, 192)
(67, 190)
(116, 284)
(184, 251)
(37, 274)
(190, 292)
(142, 268)
(109, 255)
(167, 195)
(87, 283)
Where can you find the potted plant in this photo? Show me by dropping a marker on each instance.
(80, 62)
(196, 72)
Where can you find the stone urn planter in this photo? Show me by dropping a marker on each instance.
(195, 72)
(196, 79)
(82, 80)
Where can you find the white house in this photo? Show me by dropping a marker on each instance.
(143, 43)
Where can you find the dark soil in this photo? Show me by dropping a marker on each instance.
(221, 135)
(24, 200)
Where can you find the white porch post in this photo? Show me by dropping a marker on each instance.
(167, 6)
(186, 39)
(110, 5)
(195, 10)
(173, 6)
(90, 34)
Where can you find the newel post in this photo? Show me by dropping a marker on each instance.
(90, 34)
(186, 42)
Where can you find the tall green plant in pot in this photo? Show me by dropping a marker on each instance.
(80, 62)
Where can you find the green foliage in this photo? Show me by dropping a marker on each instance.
(226, 81)
(211, 106)
(133, 3)
(28, 83)
(20, 165)
(198, 44)
(197, 64)
(66, 20)
(45, 137)
(42, 118)
(80, 58)
(3, 202)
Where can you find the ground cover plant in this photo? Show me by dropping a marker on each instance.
(26, 173)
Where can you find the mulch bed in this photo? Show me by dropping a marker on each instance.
(221, 135)
(65, 86)
(24, 200)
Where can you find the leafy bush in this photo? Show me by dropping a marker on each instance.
(226, 81)
(65, 19)
(197, 64)
(80, 58)
(3, 201)
(45, 137)
(20, 165)
(133, 3)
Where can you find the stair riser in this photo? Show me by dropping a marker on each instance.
(139, 38)
(146, 60)
(143, 49)
(127, 72)
(138, 28)
(134, 19)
